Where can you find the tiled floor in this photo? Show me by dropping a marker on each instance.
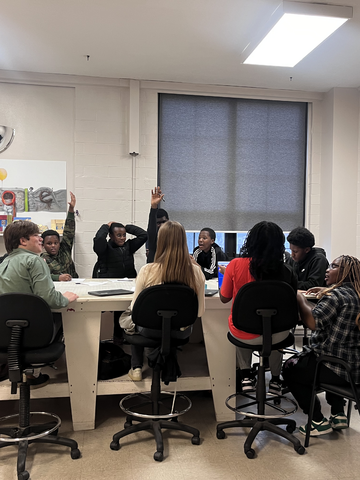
(333, 457)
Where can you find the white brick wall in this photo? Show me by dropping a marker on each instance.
(94, 142)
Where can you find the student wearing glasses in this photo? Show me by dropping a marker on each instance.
(334, 321)
(23, 271)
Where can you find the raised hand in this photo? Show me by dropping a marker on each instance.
(72, 202)
(156, 197)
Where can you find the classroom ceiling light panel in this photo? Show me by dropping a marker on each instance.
(192, 41)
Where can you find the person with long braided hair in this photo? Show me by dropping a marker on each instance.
(334, 321)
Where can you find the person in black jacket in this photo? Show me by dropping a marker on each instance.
(157, 217)
(208, 253)
(308, 262)
(116, 257)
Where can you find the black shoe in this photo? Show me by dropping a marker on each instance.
(38, 382)
(275, 388)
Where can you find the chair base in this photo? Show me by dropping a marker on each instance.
(155, 426)
(169, 405)
(271, 401)
(23, 443)
(258, 425)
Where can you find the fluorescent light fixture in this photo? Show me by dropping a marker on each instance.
(298, 28)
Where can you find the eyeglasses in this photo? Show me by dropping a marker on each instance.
(332, 266)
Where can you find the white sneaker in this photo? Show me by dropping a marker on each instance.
(135, 374)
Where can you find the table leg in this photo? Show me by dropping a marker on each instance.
(221, 358)
(82, 337)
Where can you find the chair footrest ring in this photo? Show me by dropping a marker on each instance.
(10, 439)
(140, 405)
(269, 402)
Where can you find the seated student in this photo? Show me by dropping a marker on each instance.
(58, 254)
(208, 253)
(261, 258)
(23, 271)
(334, 321)
(308, 262)
(116, 257)
(157, 217)
(172, 263)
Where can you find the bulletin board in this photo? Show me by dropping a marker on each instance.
(33, 189)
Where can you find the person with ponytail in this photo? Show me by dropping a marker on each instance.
(334, 321)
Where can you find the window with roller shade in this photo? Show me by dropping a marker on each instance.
(228, 163)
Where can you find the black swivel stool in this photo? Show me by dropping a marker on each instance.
(166, 309)
(264, 308)
(26, 332)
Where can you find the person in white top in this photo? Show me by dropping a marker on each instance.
(172, 263)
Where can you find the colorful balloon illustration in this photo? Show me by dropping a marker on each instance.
(3, 174)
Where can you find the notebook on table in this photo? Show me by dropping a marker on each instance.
(107, 293)
(210, 292)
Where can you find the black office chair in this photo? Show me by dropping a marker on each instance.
(26, 331)
(166, 308)
(352, 392)
(264, 308)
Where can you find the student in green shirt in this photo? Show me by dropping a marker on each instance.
(58, 253)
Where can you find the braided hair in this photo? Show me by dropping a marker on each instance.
(349, 271)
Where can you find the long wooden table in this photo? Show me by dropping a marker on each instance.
(82, 321)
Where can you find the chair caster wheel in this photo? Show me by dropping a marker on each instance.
(195, 440)
(23, 475)
(220, 434)
(300, 450)
(250, 453)
(290, 428)
(158, 456)
(75, 453)
(115, 445)
(127, 424)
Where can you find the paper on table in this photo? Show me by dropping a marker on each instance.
(125, 279)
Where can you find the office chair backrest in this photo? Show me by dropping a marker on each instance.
(165, 297)
(26, 306)
(267, 294)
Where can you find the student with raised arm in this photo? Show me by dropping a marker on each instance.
(23, 271)
(58, 254)
(157, 217)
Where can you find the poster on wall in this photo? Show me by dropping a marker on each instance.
(33, 189)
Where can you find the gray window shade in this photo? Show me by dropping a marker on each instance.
(229, 163)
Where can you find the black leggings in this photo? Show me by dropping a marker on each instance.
(300, 377)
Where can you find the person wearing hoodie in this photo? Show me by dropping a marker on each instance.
(308, 262)
(208, 253)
